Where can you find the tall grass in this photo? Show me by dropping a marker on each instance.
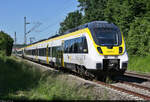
(21, 81)
(55, 87)
(16, 76)
(139, 64)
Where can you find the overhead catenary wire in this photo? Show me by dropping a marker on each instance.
(54, 22)
(61, 10)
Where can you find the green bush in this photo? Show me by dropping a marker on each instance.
(6, 43)
(138, 41)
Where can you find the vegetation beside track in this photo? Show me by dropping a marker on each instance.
(6, 43)
(22, 81)
(139, 64)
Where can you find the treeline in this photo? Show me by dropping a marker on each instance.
(132, 17)
(6, 44)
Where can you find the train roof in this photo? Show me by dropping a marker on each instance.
(101, 24)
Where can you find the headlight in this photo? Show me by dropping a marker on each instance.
(120, 49)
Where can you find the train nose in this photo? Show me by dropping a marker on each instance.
(111, 64)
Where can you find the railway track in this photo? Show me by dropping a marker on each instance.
(120, 89)
(130, 92)
(136, 85)
(138, 75)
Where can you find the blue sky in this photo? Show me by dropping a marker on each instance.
(47, 12)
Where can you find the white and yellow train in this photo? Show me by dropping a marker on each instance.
(96, 47)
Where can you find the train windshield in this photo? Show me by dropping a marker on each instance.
(107, 36)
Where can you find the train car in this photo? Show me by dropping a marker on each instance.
(97, 47)
(20, 52)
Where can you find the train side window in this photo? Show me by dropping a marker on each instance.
(49, 51)
(69, 46)
(66, 46)
(53, 51)
(57, 52)
(84, 44)
(76, 45)
(32, 52)
(39, 52)
(73, 42)
(26, 52)
(80, 47)
(48, 54)
(29, 52)
(71, 50)
(36, 52)
(44, 51)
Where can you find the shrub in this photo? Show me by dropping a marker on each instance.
(138, 41)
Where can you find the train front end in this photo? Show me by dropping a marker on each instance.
(110, 47)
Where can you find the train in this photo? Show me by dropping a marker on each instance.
(97, 47)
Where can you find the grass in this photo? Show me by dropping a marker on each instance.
(16, 76)
(21, 81)
(139, 64)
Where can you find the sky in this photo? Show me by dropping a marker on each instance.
(44, 15)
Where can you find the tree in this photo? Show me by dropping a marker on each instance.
(120, 13)
(6, 43)
(131, 16)
(93, 9)
(138, 41)
(71, 21)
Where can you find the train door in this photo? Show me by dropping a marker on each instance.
(80, 50)
(36, 54)
(59, 56)
(47, 53)
(84, 49)
(62, 52)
